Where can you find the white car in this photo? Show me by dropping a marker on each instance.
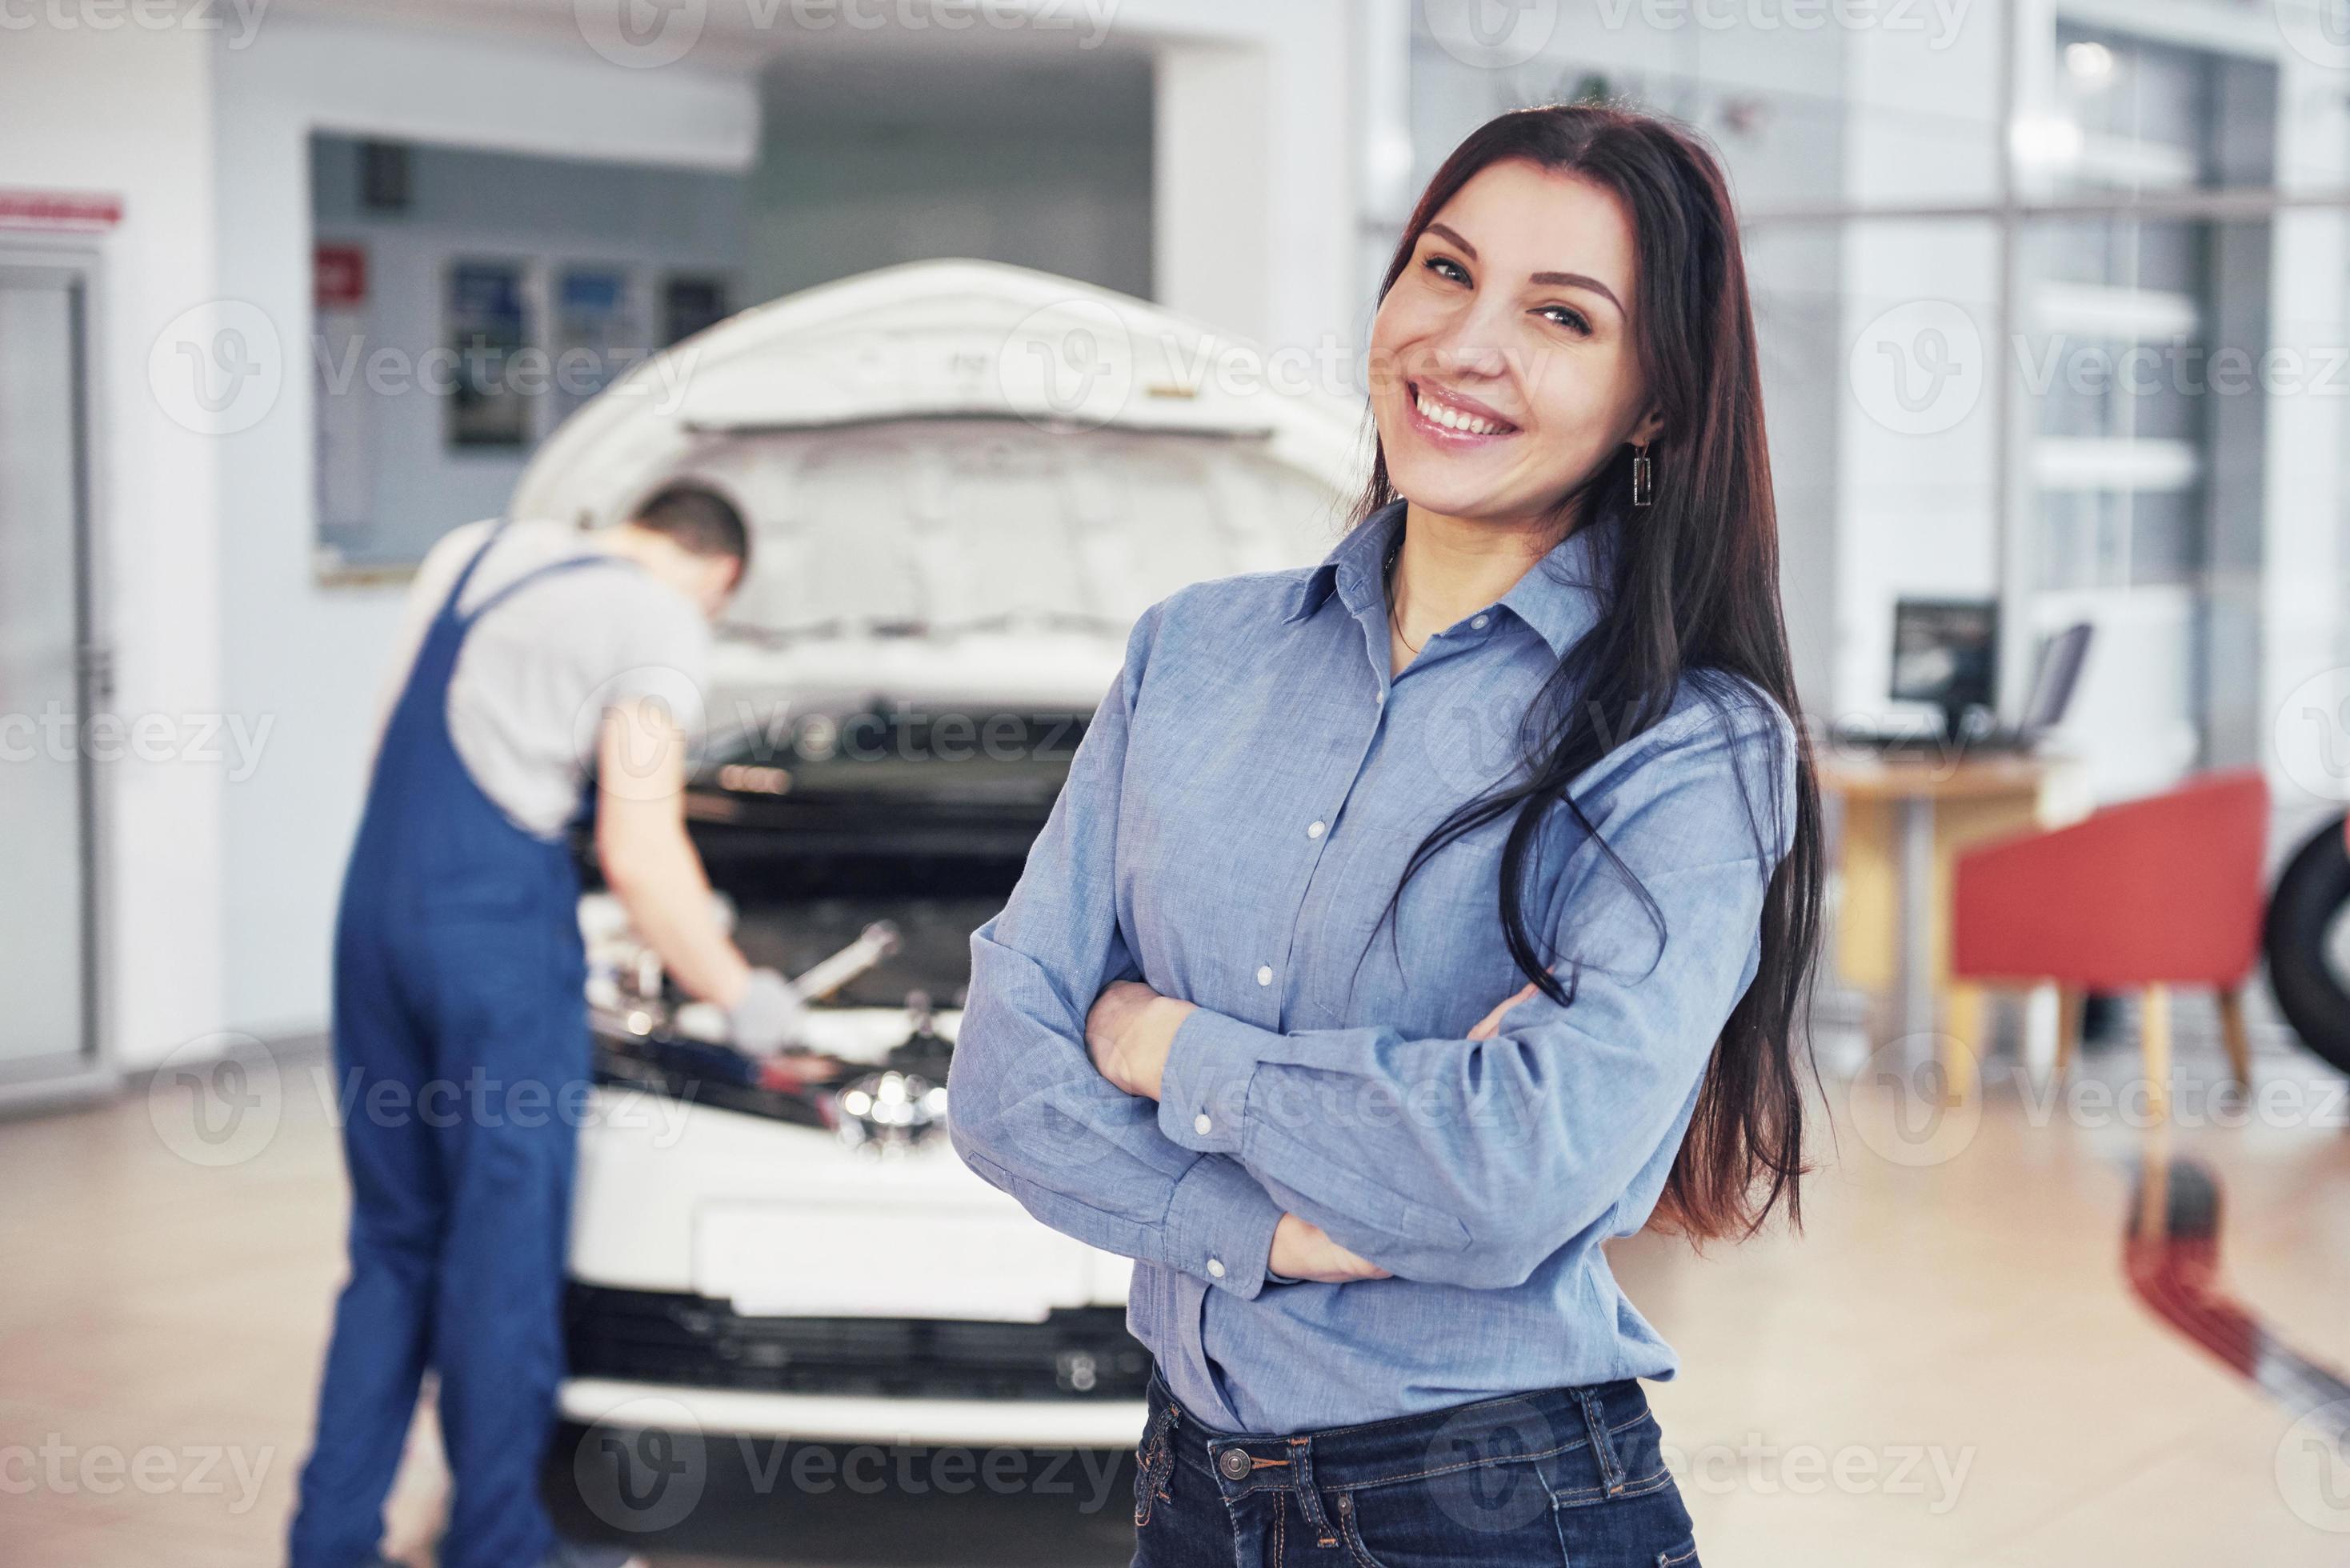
(965, 481)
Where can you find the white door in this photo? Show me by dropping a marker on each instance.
(50, 676)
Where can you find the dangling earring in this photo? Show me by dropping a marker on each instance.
(1644, 489)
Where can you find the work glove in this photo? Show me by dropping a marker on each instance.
(768, 1015)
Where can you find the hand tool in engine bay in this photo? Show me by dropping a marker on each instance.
(797, 1068)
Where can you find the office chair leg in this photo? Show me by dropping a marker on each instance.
(2233, 1034)
(1961, 1044)
(2154, 1045)
(2070, 1001)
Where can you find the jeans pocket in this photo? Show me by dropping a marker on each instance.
(1351, 1533)
(1681, 1556)
(1500, 1514)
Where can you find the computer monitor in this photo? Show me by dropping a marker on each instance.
(2053, 681)
(1945, 652)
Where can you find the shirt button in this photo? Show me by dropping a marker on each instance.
(1201, 1124)
(1313, 829)
(1216, 1267)
(1264, 974)
(1479, 622)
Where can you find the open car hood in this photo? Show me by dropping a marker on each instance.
(934, 341)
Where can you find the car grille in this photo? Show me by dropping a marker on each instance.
(655, 1336)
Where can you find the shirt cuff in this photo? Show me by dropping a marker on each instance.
(1220, 1226)
(1203, 1088)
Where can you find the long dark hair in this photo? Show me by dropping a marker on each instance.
(1693, 594)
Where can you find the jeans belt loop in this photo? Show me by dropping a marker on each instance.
(1309, 1496)
(1595, 1418)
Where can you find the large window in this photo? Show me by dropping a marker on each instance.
(2052, 299)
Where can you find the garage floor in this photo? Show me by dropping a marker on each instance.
(1947, 1369)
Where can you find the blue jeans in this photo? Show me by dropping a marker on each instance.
(1557, 1477)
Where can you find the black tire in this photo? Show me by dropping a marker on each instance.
(2309, 897)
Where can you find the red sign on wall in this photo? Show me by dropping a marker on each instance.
(339, 276)
(74, 212)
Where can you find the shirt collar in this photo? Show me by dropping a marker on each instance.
(1560, 596)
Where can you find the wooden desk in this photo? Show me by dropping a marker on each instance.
(1901, 821)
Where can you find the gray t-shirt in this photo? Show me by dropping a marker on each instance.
(537, 673)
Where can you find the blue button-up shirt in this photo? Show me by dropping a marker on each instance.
(1233, 824)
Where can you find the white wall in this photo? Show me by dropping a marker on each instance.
(311, 655)
(1048, 168)
(1267, 249)
(129, 113)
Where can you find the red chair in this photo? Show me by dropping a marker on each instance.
(2151, 894)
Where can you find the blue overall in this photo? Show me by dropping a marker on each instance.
(461, 1061)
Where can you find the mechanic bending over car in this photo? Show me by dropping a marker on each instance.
(459, 979)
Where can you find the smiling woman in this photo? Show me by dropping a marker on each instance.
(1509, 372)
(1536, 709)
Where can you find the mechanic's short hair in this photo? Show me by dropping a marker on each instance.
(698, 520)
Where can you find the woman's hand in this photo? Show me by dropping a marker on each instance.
(1303, 1252)
(1130, 1029)
(1490, 1024)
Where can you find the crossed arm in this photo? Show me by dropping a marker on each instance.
(1031, 1114)
(1466, 1160)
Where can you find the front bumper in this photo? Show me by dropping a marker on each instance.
(689, 1341)
(607, 1405)
(1075, 1380)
